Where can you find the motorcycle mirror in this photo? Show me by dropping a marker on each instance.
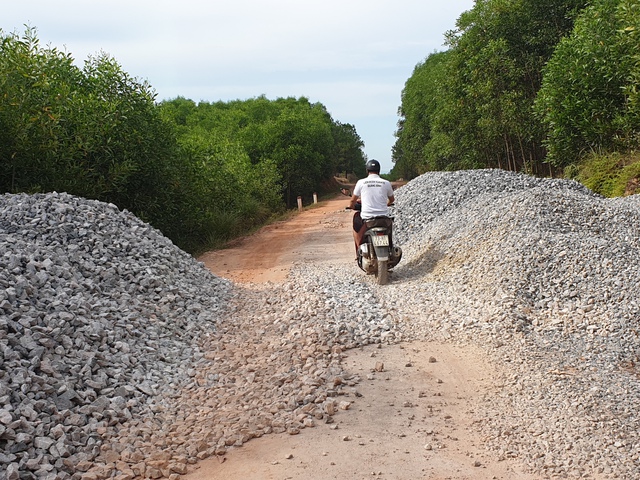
(345, 191)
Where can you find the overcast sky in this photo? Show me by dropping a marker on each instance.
(353, 56)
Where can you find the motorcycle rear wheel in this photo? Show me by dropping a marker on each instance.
(383, 273)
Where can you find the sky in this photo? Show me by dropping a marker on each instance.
(353, 56)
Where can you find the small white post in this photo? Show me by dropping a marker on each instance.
(315, 197)
(299, 204)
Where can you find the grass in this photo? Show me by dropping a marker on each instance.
(610, 175)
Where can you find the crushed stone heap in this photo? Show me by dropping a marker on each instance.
(98, 315)
(551, 247)
(543, 275)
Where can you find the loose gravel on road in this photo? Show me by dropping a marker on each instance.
(121, 356)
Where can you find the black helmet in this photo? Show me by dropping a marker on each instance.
(373, 166)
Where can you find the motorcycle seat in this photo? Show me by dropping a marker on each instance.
(382, 221)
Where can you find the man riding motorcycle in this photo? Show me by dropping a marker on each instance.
(374, 194)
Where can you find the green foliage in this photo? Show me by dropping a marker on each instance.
(347, 150)
(423, 98)
(298, 139)
(201, 173)
(217, 192)
(589, 99)
(93, 132)
(35, 86)
(471, 105)
(526, 82)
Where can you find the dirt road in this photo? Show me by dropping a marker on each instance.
(410, 418)
(320, 234)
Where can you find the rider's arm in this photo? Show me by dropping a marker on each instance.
(390, 200)
(354, 200)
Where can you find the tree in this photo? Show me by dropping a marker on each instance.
(299, 140)
(347, 150)
(126, 145)
(589, 98)
(200, 173)
(499, 51)
(36, 86)
(216, 192)
(422, 100)
(483, 89)
(93, 132)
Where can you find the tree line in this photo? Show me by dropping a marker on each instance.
(200, 172)
(538, 86)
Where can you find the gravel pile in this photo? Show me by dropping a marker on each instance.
(545, 275)
(99, 317)
(120, 356)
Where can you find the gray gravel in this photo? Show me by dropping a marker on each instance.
(99, 316)
(545, 274)
(121, 356)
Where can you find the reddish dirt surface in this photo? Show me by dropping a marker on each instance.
(321, 233)
(411, 420)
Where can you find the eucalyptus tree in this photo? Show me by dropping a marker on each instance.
(498, 52)
(422, 100)
(472, 107)
(36, 86)
(348, 149)
(297, 138)
(300, 142)
(127, 146)
(590, 100)
(218, 193)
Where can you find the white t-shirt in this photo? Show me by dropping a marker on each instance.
(373, 192)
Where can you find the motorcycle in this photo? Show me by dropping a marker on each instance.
(376, 254)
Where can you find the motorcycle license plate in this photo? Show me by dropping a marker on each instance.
(380, 240)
